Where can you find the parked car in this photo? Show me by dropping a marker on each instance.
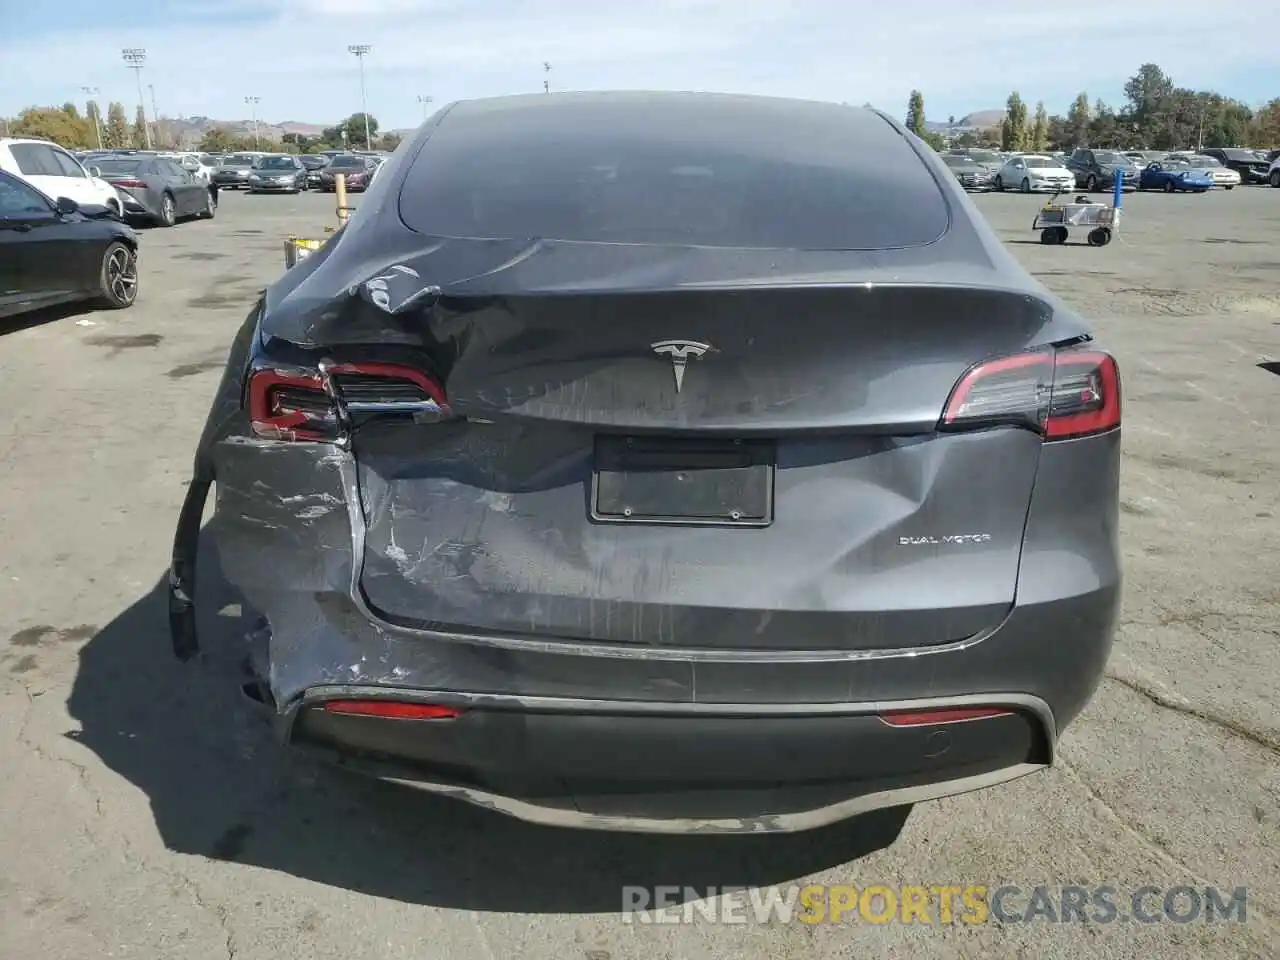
(972, 175)
(55, 172)
(358, 172)
(56, 251)
(157, 189)
(1273, 172)
(1175, 176)
(990, 160)
(199, 165)
(453, 446)
(1223, 177)
(1097, 169)
(1034, 173)
(281, 173)
(1251, 165)
(314, 164)
(1144, 157)
(233, 172)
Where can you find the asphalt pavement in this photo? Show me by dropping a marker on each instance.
(145, 814)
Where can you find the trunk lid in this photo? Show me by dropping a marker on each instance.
(810, 413)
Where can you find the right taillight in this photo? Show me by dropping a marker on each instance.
(1058, 393)
(293, 404)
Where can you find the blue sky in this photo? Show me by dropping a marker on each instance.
(206, 56)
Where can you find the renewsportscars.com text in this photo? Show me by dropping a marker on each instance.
(941, 904)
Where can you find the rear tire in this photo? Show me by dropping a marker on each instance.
(1026, 185)
(1169, 186)
(1099, 237)
(1275, 178)
(210, 206)
(1229, 186)
(1091, 184)
(117, 277)
(168, 211)
(998, 184)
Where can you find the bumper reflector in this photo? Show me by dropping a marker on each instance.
(923, 718)
(392, 709)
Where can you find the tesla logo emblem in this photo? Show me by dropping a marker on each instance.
(680, 352)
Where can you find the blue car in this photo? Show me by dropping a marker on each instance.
(1172, 176)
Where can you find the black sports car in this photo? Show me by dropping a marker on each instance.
(667, 462)
(54, 252)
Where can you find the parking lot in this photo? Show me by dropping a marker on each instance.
(147, 814)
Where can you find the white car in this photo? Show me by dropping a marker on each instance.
(1273, 173)
(55, 172)
(199, 165)
(1034, 173)
(1223, 176)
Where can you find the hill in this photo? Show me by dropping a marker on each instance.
(190, 130)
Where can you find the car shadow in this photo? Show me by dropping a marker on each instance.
(38, 318)
(220, 787)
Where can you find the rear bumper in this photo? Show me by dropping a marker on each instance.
(728, 769)
(274, 187)
(135, 206)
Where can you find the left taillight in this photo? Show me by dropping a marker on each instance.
(294, 405)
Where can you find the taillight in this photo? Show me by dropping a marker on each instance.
(129, 182)
(1058, 393)
(290, 404)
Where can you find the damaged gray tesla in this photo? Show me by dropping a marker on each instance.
(666, 462)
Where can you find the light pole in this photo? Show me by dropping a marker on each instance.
(426, 105)
(91, 93)
(155, 112)
(253, 106)
(361, 50)
(546, 82)
(135, 57)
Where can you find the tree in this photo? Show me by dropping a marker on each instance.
(354, 126)
(1040, 129)
(1013, 131)
(1058, 135)
(140, 136)
(389, 142)
(217, 140)
(117, 132)
(1104, 129)
(1149, 92)
(915, 113)
(52, 123)
(1265, 129)
(1078, 118)
(967, 139)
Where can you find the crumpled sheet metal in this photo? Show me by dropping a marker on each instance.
(374, 262)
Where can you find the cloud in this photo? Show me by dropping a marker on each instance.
(293, 53)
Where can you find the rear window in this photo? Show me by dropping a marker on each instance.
(118, 166)
(673, 169)
(345, 162)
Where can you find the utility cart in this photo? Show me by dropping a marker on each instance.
(1054, 219)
